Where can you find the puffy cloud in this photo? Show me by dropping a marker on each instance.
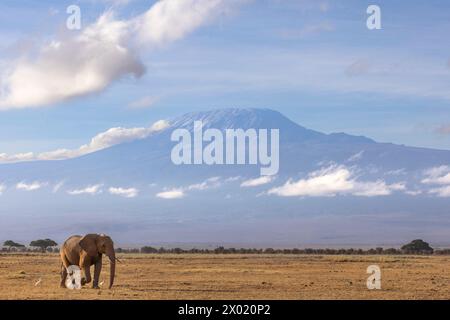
(127, 193)
(171, 194)
(73, 67)
(92, 190)
(30, 186)
(437, 175)
(257, 182)
(332, 181)
(325, 182)
(102, 53)
(101, 141)
(443, 192)
(17, 157)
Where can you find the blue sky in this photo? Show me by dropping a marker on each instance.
(314, 61)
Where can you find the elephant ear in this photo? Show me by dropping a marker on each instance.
(89, 244)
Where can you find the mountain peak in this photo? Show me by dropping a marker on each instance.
(244, 118)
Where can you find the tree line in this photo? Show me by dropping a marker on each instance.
(414, 247)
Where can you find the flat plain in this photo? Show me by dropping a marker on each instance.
(233, 276)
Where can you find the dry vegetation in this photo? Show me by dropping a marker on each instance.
(167, 276)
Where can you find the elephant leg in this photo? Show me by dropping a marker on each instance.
(64, 265)
(97, 270)
(63, 276)
(87, 274)
(85, 265)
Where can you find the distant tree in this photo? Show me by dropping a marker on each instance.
(417, 246)
(149, 250)
(10, 244)
(43, 244)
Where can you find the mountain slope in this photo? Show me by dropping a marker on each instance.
(221, 209)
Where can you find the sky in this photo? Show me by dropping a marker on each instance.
(134, 62)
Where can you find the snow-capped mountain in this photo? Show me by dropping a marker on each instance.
(330, 188)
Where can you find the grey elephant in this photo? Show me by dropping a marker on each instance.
(85, 252)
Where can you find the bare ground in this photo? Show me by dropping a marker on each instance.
(187, 276)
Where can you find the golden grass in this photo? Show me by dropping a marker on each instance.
(188, 276)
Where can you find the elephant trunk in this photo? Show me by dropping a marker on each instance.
(112, 260)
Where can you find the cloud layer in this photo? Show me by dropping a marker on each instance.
(101, 141)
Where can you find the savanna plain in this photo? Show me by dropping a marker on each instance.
(233, 276)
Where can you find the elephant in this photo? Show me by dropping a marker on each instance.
(85, 251)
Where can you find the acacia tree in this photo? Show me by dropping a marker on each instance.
(12, 244)
(417, 246)
(43, 244)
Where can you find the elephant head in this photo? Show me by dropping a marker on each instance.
(95, 244)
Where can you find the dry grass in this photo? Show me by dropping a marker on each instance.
(234, 277)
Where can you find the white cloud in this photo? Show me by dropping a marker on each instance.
(325, 182)
(73, 67)
(16, 157)
(102, 53)
(437, 175)
(127, 193)
(332, 181)
(171, 20)
(413, 192)
(92, 190)
(213, 182)
(101, 141)
(171, 194)
(376, 188)
(2, 189)
(180, 192)
(443, 192)
(30, 186)
(257, 182)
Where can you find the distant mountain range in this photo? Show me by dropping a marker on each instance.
(331, 188)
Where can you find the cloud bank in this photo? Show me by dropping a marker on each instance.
(101, 141)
